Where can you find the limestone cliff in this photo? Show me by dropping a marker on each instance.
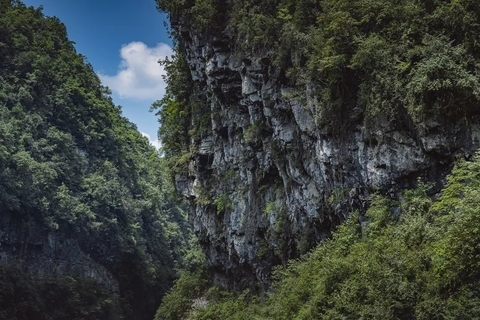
(271, 179)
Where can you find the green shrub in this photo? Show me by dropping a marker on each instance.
(178, 302)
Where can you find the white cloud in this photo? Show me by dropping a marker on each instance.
(139, 75)
(156, 143)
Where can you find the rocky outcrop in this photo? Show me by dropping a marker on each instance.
(271, 179)
(46, 255)
(52, 266)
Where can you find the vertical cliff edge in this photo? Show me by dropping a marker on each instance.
(276, 166)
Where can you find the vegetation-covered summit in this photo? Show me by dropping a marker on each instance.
(72, 167)
(404, 61)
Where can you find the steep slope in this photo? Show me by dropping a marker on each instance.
(86, 230)
(292, 113)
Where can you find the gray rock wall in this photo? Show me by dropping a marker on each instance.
(270, 181)
(47, 255)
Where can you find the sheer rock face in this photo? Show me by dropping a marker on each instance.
(47, 255)
(277, 180)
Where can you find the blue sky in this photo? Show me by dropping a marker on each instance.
(122, 40)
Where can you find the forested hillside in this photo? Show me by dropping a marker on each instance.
(87, 230)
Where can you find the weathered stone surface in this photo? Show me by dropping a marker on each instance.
(288, 180)
(47, 254)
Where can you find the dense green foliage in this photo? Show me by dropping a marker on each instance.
(420, 264)
(174, 110)
(72, 165)
(189, 286)
(183, 114)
